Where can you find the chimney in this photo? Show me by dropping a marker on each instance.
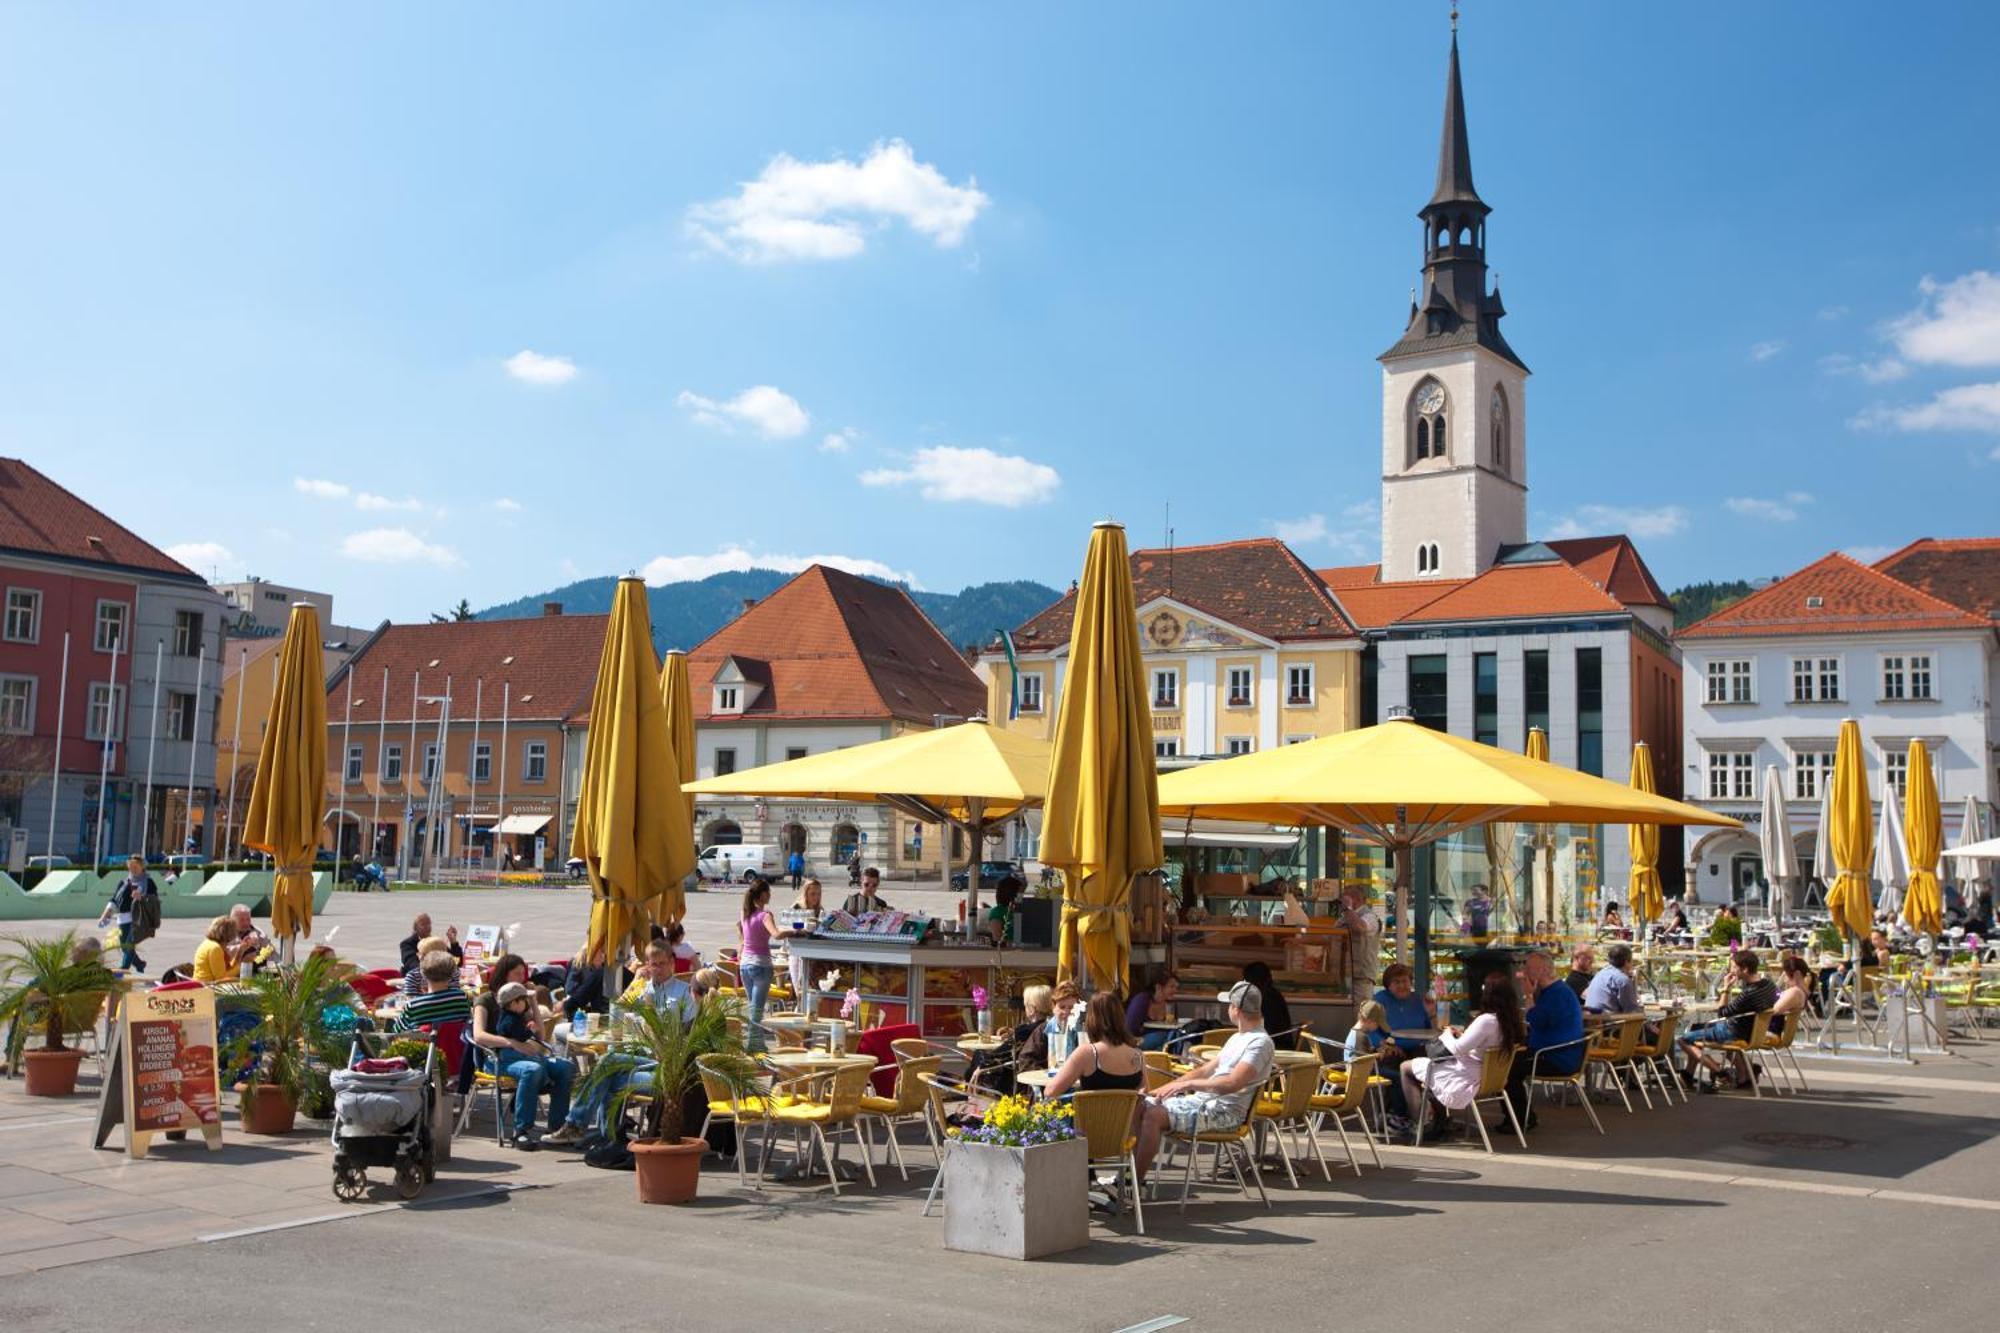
(551, 608)
(748, 604)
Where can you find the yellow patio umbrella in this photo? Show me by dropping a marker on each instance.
(1923, 838)
(677, 698)
(1643, 841)
(288, 800)
(1101, 823)
(1543, 894)
(1853, 836)
(628, 833)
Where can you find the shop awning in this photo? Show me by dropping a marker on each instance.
(522, 824)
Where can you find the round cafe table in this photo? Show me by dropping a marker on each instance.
(973, 1044)
(1037, 1080)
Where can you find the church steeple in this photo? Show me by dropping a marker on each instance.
(1454, 183)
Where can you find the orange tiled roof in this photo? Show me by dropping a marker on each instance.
(1964, 571)
(831, 645)
(1613, 564)
(1833, 595)
(1518, 592)
(1381, 605)
(544, 666)
(38, 517)
(1257, 585)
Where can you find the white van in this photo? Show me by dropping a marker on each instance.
(737, 861)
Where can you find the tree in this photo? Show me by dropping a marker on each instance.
(459, 613)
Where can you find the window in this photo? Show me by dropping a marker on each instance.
(1031, 692)
(1815, 680)
(1166, 689)
(1811, 770)
(535, 762)
(1732, 776)
(392, 763)
(24, 615)
(1896, 772)
(1486, 698)
(1920, 676)
(1428, 559)
(1428, 438)
(1430, 690)
(1906, 676)
(1299, 686)
(1590, 711)
(1299, 738)
(105, 720)
(17, 704)
(795, 752)
(1535, 687)
(187, 634)
(1501, 450)
(1237, 745)
(1239, 687)
(110, 633)
(725, 762)
(180, 716)
(482, 762)
(1729, 682)
(430, 762)
(1166, 749)
(726, 699)
(353, 770)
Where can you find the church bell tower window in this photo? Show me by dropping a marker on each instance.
(1502, 446)
(1427, 413)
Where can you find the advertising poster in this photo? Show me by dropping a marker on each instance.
(167, 1048)
(482, 946)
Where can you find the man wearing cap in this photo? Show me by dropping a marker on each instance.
(1218, 1094)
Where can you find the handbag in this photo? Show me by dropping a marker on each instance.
(1437, 1050)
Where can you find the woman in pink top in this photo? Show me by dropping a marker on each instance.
(1453, 1082)
(754, 959)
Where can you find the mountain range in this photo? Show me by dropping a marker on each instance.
(686, 613)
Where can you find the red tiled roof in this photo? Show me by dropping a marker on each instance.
(40, 518)
(1383, 604)
(1350, 576)
(1851, 598)
(1613, 564)
(831, 645)
(544, 666)
(1515, 592)
(1257, 585)
(1964, 571)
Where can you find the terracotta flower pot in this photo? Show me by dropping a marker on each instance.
(266, 1109)
(668, 1172)
(52, 1073)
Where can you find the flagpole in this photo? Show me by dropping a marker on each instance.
(152, 748)
(381, 745)
(194, 737)
(55, 778)
(340, 815)
(472, 772)
(235, 759)
(409, 766)
(500, 805)
(112, 721)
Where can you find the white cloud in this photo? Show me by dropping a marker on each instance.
(1601, 520)
(324, 490)
(202, 557)
(1832, 312)
(948, 472)
(839, 441)
(1300, 531)
(507, 506)
(825, 210)
(734, 559)
(535, 368)
(1764, 351)
(1873, 372)
(1958, 323)
(1867, 555)
(772, 413)
(381, 503)
(1783, 510)
(1355, 532)
(1973, 407)
(395, 546)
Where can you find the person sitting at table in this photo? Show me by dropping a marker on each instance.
(1370, 1036)
(214, 957)
(1217, 1093)
(1555, 1019)
(443, 1000)
(686, 957)
(1795, 981)
(413, 975)
(1611, 923)
(868, 898)
(250, 941)
(1026, 1047)
(1409, 1010)
(1106, 1058)
(1582, 969)
(999, 924)
(1453, 1082)
(1612, 990)
(509, 969)
(1153, 1003)
(1277, 1014)
(1733, 1021)
(1674, 923)
(657, 987)
(412, 948)
(707, 981)
(507, 1030)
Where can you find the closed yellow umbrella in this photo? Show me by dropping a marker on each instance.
(628, 833)
(677, 698)
(288, 800)
(1923, 838)
(1542, 895)
(1643, 841)
(1101, 824)
(1538, 744)
(1853, 836)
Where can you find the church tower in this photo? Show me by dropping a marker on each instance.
(1454, 402)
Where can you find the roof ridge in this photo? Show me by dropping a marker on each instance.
(1735, 612)
(1233, 544)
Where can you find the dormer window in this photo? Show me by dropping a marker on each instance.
(1428, 407)
(728, 699)
(734, 688)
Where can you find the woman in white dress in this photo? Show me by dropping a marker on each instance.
(1454, 1081)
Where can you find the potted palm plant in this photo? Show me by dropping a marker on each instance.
(666, 1161)
(46, 985)
(277, 1055)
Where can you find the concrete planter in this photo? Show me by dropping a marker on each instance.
(1016, 1203)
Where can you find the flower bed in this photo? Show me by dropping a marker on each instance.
(1016, 1122)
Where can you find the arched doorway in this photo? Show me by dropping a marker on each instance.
(846, 842)
(792, 838)
(721, 833)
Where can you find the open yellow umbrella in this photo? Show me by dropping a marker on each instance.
(1101, 823)
(1923, 837)
(677, 699)
(627, 831)
(288, 800)
(1853, 837)
(1643, 841)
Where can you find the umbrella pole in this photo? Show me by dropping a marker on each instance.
(975, 832)
(1402, 854)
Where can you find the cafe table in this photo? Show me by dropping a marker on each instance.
(1036, 1080)
(814, 1065)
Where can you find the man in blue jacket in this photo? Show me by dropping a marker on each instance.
(1555, 1018)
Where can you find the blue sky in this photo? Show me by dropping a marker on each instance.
(835, 279)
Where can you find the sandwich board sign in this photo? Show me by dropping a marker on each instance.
(482, 947)
(164, 1076)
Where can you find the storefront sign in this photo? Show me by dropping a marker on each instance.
(164, 1069)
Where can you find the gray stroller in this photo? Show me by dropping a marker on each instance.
(382, 1118)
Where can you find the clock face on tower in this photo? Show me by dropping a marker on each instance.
(1430, 399)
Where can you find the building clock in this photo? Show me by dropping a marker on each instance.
(1430, 399)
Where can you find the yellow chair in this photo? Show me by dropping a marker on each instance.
(1232, 1143)
(1615, 1051)
(1160, 1069)
(909, 1100)
(1539, 1077)
(1217, 1037)
(1778, 1045)
(910, 1048)
(1106, 1121)
(1347, 1091)
(1493, 1071)
(744, 1111)
(936, 1087)
(1658, 1056)
(502, 1088)
(1760, 1035)
(837, 1103)
(1290, 1107)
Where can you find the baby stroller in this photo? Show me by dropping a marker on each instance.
(382, 1112)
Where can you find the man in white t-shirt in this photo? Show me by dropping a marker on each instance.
(1217, 1095)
